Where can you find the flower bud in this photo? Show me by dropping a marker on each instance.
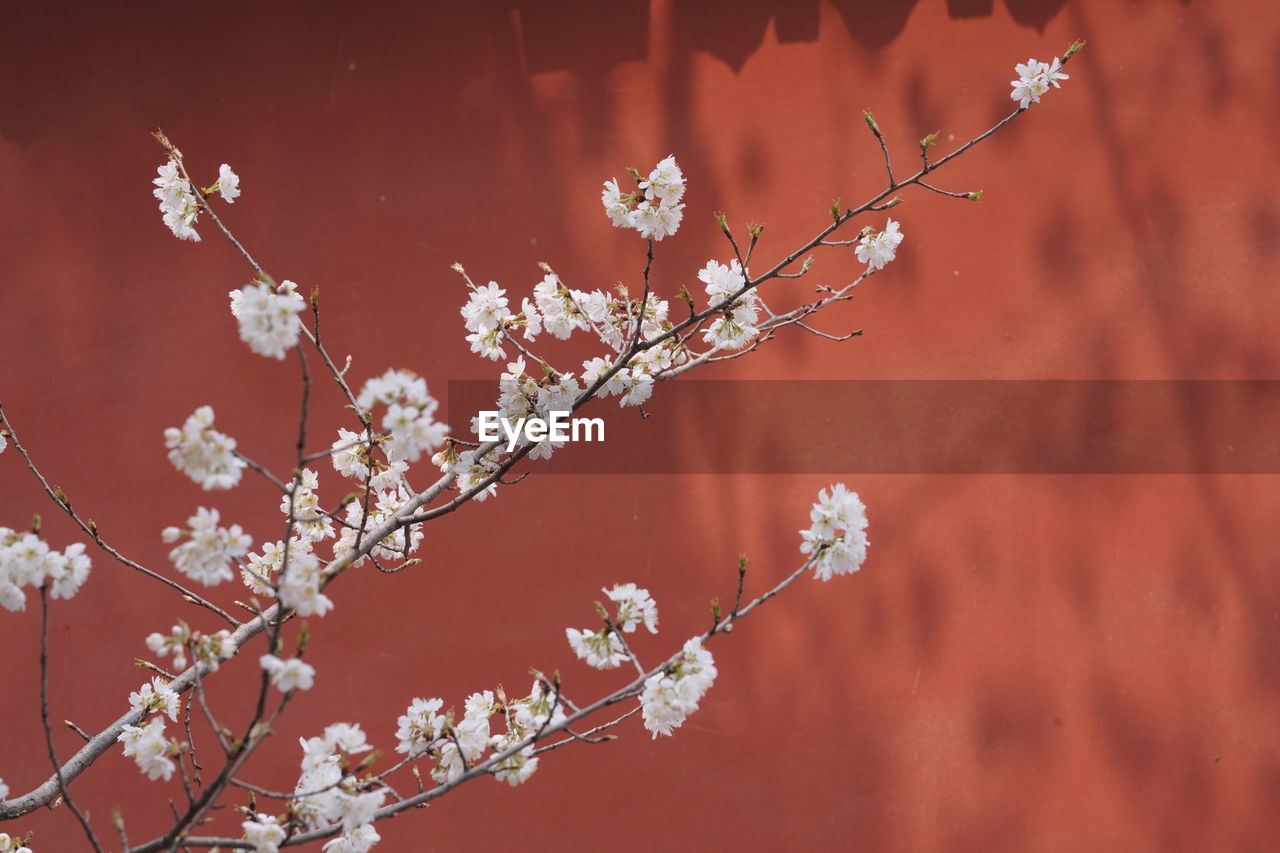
(927, 142)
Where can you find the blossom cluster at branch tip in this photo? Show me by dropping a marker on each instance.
(268, 317)
(877, 249)
(179, 206)
(178, 203)
(655, 208)
(1034, 80)
(836, 540)
(26, 560)
(202, 453)
(673, 694)
(207, 551)
(605, 648)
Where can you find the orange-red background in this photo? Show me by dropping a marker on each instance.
(1034, 663)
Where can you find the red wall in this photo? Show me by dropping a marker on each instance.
(1026, 662)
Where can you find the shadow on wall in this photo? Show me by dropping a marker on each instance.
(583, 37)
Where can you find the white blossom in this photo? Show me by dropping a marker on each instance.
(268, 317)
(877, 249)
(209, 551)
(9, 844)
(265, 833)
(351, 454)
(600, 649)
(672, 695)
(4, 791)
(309, 517)
(635, 607)
(666, 181)
(356, 810)
(359, 840)
(420, 726)
(486, 308)
(536, 710)
(655, 220)
(178, 202)
(1034, 80)
(288, 675)
(302, 582)
(617, 205)
(26, 560)
(385, 504)
(517, 767)
(837, 536)
(202, 453)
(722, 281)
(228, 184)
(409, 418)
(156, 697)
(68, 574)
(149, 748)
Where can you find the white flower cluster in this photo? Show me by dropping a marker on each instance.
(26, 560)
(202, 453)
(288, 675)
(673, 694)
(655, 208)
(178, 201)
(9, 844)
(876, 249)
(837, 536)
(268, 317)
(156, 697)
(736, 326)
(228, 185)
(302, 581)
(605, 649)
(209, 551)
(150, 749)
(208, 649)
(487, 318)
(309, 518)
(326, 794)
(1034, 80)
(264, 832)
(468, 468)
(385, 504)
(4, 440)
(424, 730)
(410, 417)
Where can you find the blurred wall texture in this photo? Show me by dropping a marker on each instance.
(1025, 662)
